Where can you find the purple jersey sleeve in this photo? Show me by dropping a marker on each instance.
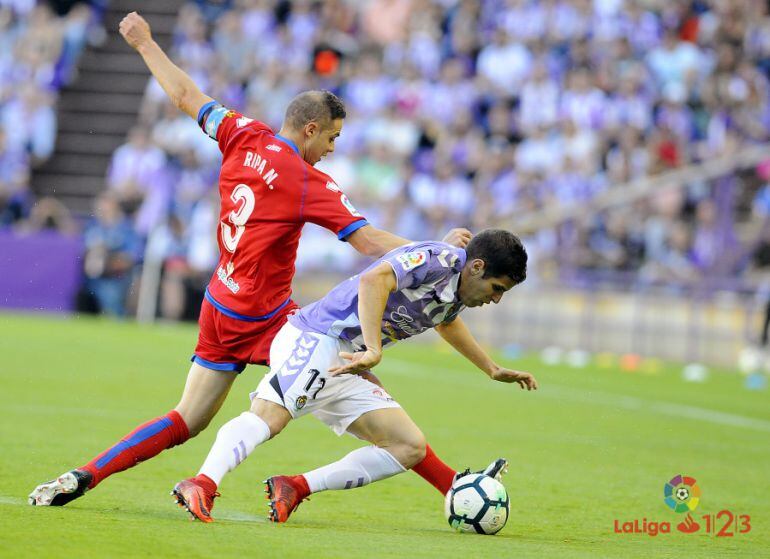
(421, 265)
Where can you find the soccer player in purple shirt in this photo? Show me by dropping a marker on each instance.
(317, 357)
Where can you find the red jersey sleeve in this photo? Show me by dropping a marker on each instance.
(222, 124)
(326, 205)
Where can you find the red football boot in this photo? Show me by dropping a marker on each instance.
(285, 493)
(193, 496)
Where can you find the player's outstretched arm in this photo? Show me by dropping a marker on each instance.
(370, 241)
(180, 88)
(457, 335)
(375, 242)
(374, 288)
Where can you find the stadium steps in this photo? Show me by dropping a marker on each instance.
(125, 62)
(109, 82)
(98, 109)
(90, 143)
(92, 122)
(90, 164)
(76, 191)
(102, 102)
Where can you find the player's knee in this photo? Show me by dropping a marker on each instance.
(411, 449)
(195, 422)
(417, 450)
(275, 425)
(275, 416)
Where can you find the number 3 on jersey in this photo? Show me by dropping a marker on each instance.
(244, 196)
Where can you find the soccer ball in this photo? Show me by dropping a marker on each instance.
(682, 494)
(477, 503)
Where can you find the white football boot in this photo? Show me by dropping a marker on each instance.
(62, 490)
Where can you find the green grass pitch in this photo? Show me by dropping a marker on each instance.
(591, 446)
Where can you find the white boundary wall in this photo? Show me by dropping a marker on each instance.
(664, 325)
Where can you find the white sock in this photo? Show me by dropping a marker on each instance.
(236, 439)
(359, 468)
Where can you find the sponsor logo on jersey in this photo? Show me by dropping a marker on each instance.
(300, 402)
(401, 318)
(333, 187)
(224, 277)
(273, 147)
(243, 121)
(400, 315)
(350, 207)
(412, 260)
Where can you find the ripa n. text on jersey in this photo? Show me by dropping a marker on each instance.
(259, 164)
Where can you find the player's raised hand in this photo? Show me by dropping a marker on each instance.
(459, 237)
(135, 30)
(359, 361)
(523, 379)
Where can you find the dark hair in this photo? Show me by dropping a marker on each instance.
(319, 106)
(502, 253)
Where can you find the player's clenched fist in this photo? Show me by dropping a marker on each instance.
(135, 30)
(459, 237)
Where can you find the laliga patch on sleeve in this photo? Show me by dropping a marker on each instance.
(412, 260)
(350, 207)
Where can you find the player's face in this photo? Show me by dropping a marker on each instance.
(476, 290)
(319, 140)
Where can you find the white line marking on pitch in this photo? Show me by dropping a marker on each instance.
(399, 366)
(233, 515)
(4, 500)
(236, 516)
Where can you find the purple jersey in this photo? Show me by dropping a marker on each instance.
(427, 278)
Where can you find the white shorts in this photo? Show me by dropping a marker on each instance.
(299, 380)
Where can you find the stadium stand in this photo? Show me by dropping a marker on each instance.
(575, 119)
(98, 107)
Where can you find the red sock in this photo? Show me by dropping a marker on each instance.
(207, 483)
(142, 443)
(435, 472)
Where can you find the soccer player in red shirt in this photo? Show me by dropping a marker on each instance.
(269, 189)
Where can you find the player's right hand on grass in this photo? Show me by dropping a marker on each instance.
(523, 379)
(359, 361)
(135, 30)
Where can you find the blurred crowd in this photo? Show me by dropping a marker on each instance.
(470, 113)
(40, 44)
